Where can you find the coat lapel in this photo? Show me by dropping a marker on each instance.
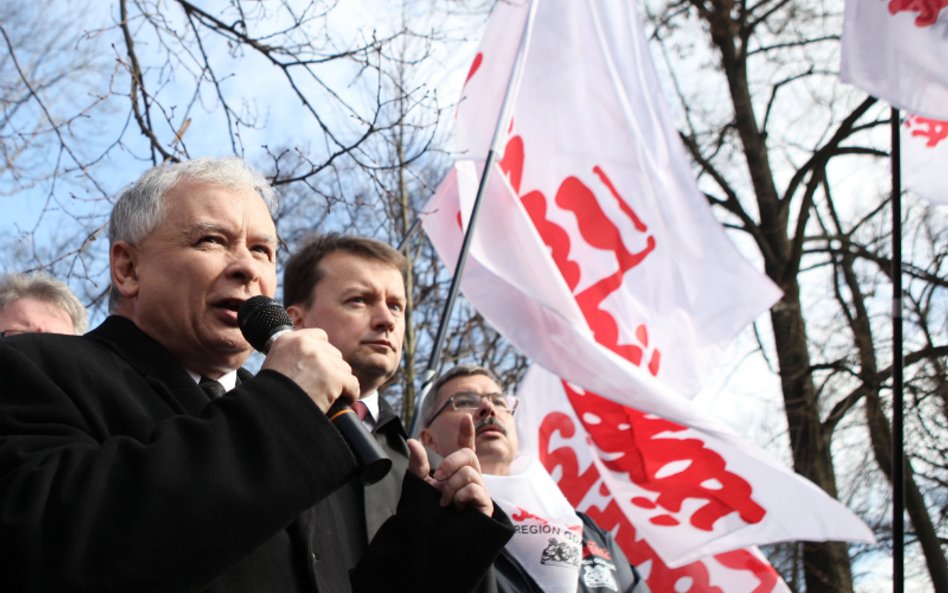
(165, 374)
(381, 498)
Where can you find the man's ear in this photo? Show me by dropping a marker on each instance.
(296, 315)
(123, 262)
(425, 437)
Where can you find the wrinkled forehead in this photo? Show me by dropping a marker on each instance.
(475, 383)
(210, 203)
(33, 311)
(351, 267)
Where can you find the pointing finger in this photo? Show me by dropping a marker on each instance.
(466, 433)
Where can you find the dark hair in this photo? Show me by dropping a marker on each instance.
(430, 405)
(302, 273)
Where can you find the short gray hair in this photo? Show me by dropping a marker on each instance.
(430, 405)
(139, 208)
(44, 288)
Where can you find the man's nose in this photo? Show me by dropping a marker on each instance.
(243, 265)
(383, 318)
(486, 408)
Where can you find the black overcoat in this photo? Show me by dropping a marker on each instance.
(118, 474)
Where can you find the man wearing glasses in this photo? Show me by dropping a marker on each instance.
(465, 394)
(554, 548)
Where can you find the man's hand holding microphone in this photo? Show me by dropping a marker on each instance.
(306, 357)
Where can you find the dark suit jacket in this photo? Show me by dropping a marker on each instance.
(118, 474)
(381, 498)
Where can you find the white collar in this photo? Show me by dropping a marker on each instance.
(371, 401)
(228, 380)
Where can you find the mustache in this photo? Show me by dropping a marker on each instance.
(490, 421)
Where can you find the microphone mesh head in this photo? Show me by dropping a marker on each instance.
(259, 318)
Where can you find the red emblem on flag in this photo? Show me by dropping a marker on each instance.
(690, 577)
(932, 130)
(638, 446)
(928, 10)
(598, 231)
(591, 548)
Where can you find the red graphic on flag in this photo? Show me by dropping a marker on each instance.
(928, 10)
(597, 230)
(636, 449)
(690, 578)
(767, 576)
(933, 130)
(475, 65)
(637, 452)
(627, 434)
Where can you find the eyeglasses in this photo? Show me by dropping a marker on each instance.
(469, 402)
(12, 332)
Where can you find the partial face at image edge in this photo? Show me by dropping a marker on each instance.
(28, 315)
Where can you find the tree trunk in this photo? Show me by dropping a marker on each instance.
(881, 436)
(826, 564)
(880, 432)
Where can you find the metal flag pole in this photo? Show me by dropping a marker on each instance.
(503, 119)
(898, 446)
(411, 232)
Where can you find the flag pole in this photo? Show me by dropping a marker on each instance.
(898, 445)
(408, 235)
(434, 360)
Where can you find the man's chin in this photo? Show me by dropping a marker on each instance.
(232, 345)
(494, 453)
(372, 372)
(491, 441)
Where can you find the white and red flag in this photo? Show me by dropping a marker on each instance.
(924, 157)
(594, 226)
(679, 497)
(597, 256)
(895, 50)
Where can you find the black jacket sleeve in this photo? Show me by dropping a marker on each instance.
(105, 486)
(425, 547)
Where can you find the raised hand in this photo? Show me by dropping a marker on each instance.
(458, 478)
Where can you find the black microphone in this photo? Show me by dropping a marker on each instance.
(262, 320)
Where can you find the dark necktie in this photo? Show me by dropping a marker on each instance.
(212, 388)
(360, 409)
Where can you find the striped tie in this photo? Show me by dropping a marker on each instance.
(360, 409)
(212, 388)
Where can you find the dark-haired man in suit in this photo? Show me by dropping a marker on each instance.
(353, 288)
